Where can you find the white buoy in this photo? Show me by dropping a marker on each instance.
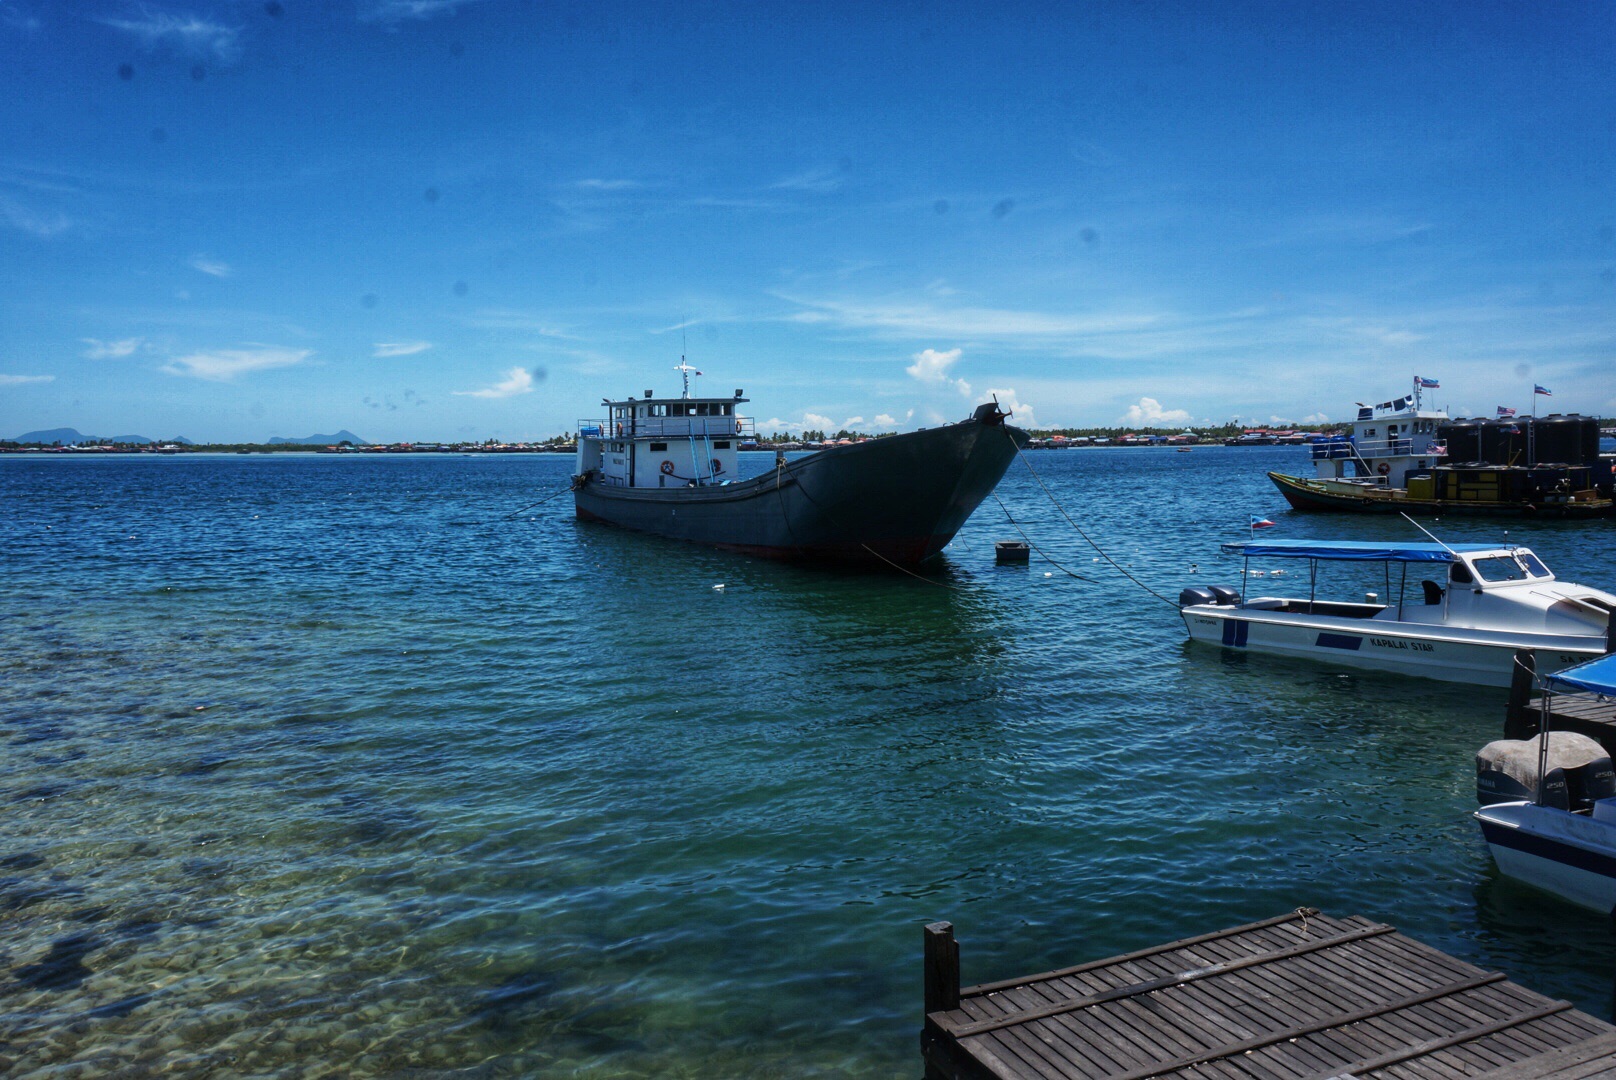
(719, 587)
(1049, 573)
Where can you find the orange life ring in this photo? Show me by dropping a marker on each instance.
(667, 468)
(718, 466)
(1383, 468)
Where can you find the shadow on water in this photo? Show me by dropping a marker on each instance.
(62, 967)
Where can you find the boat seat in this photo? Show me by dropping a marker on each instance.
(1224, 595)
(1433, 591)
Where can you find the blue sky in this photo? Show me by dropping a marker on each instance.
(445, 219)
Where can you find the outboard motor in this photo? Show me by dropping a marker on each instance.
(1225, 596)
(1579, 772)
(1190, 597)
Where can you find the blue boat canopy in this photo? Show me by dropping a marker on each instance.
(1598, 676)
(1353, 550)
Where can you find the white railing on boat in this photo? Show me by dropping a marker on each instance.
(670, 427)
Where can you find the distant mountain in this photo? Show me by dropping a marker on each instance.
(67, 436)
(343, 436)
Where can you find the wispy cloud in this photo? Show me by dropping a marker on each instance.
(191, 35)
(394, 11)
(224, 365)
(24, 380)
(517, 381)
(925, 320)
(821, 181)
(931, 367)
(212, 267)
(110, 350)
(400, 348)
(595, 184)
(41, 223)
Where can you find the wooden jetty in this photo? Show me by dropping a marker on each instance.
(1585, 714)
(1303, 995)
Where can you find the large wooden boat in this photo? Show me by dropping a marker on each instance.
(1401, 457)
(670, 467)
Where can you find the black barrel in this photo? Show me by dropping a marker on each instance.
(1589, 442)
(1557, 440)
(1503, 442)
(1462, 438)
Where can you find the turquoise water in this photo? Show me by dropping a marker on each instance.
(329, 766)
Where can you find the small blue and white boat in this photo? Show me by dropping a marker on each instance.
(1568, 852)
(1462, 623)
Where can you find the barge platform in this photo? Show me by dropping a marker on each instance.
(1303, 995)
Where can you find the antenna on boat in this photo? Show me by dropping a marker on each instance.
(684, 368)
(1427, 532)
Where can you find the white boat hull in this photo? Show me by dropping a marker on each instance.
(1569, 855)
(1449, 654)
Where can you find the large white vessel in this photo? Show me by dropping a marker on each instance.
(1473, 606)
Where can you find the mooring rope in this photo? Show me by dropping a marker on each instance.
(1114, 564)
(1042, 554)
(516, 513)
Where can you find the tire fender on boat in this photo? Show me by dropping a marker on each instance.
(667, 467)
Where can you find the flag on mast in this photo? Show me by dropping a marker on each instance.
(1429, 384)
(1505, 410)
(1541, 390)
(1258, 521)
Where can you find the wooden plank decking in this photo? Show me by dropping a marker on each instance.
(1304, 995)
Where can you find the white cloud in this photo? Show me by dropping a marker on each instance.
(212, 267)
(852, 422)
(188, 34)
(223, 365)
(814, 420)
(517, 381)
(400, 348)
(1149, 413)
(109, 350)
(1316, 418)
(24, 380)
(931, 367)
(1008, 402)
(885, 421)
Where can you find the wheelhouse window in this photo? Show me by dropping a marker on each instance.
(1500, 568)
(659, 448)
(721, 445)
(1459, 574)
(1533, 564)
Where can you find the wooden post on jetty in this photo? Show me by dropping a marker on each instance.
(1520, 719)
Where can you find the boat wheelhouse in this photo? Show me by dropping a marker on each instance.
(1472, 607)
(1388, 442)
(651, 443)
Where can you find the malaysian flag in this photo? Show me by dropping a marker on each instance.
(1541, 390)
(1505, 410)
(1429, 384)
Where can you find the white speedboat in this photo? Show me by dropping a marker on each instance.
(1473, 607)
(1567, 852)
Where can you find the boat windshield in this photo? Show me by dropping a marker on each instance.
(1534, 565)
(1499, 568)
